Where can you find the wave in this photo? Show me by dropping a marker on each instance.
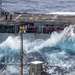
(63, 13)
(64, 40)
(59, 49)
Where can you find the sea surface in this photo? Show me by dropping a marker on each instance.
(59, 49)
(39, 6)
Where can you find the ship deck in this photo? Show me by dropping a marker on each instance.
(47, 18)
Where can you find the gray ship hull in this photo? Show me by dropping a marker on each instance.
(27, 36)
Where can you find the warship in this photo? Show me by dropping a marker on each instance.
(37, 26)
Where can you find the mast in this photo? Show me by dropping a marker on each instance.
(21, 51)
(21, 35)
(22, 30)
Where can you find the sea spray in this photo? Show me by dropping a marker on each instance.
(58, 49)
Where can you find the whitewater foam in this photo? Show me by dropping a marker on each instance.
(63, 13)
(55, 39)
(59, 49)
(12, 43)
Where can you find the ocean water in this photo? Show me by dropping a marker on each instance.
(39, 6)
(59, 49)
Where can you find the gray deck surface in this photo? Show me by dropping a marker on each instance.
(42, 18)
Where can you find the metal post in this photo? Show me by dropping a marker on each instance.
(21, 53)
(22, 28)
(15, 28)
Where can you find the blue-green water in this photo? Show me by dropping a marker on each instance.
(59, 49)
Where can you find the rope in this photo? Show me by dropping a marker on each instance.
(26, 57)
(17, 17)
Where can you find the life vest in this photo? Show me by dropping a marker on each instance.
(31, 27)
(42, 73)
(61, 28)
(22, 28)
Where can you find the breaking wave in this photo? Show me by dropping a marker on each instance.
(59, 49)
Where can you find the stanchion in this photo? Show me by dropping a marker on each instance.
(21, 51)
